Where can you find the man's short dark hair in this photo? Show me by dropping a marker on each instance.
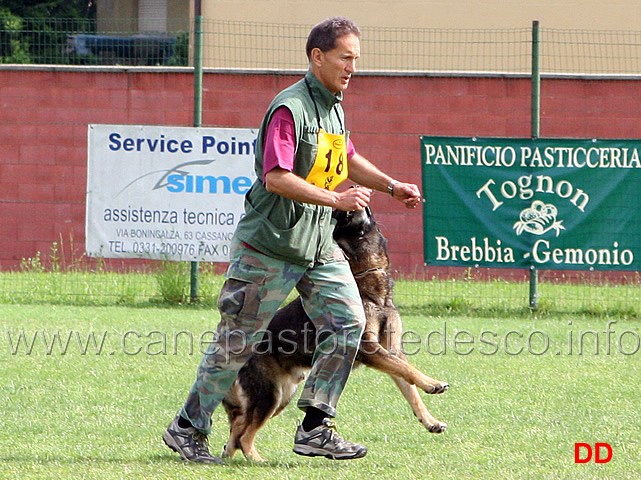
(324, 34)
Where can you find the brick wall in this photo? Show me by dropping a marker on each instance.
(44, 115)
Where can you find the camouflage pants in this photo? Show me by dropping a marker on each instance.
(256, 286)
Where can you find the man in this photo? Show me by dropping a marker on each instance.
(285, 241)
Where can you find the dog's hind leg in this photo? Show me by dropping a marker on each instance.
(236, 409)
(247, 414)
(242, 433)
(413, 397)
(262, 409)
(247, 445)
(270, 404)
(236, 429)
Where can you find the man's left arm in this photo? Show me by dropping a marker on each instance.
(363, 172)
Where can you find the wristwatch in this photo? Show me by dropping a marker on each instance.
(390, 187)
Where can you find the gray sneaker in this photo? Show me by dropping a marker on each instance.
(190, 443)
(324, 441)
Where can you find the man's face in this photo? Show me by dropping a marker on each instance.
(335, 67)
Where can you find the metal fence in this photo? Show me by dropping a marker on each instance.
(60, 41)
(269, 46)
(280, 47)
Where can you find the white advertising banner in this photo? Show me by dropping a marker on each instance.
(166, 193)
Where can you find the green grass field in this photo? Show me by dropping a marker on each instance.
(523, 391)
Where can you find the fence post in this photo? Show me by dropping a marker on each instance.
(198, 112)
(536, 124)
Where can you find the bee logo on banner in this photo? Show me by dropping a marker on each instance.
(522, 203)
(166, 193)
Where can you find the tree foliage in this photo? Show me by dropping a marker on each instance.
(29, 32)
(50, 9)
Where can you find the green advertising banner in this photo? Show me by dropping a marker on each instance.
(522, 203)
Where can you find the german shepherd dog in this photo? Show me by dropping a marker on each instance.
(268, 381)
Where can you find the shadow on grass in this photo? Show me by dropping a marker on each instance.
(170, 458)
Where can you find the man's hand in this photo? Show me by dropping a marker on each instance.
(408, 193)
(354, 199)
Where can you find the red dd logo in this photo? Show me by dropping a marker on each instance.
(583, 453)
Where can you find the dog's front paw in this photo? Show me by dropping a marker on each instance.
(437, 387)
(438, 427)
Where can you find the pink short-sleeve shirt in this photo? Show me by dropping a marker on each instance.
(280, 142)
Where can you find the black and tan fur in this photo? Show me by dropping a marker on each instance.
(269, 380)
